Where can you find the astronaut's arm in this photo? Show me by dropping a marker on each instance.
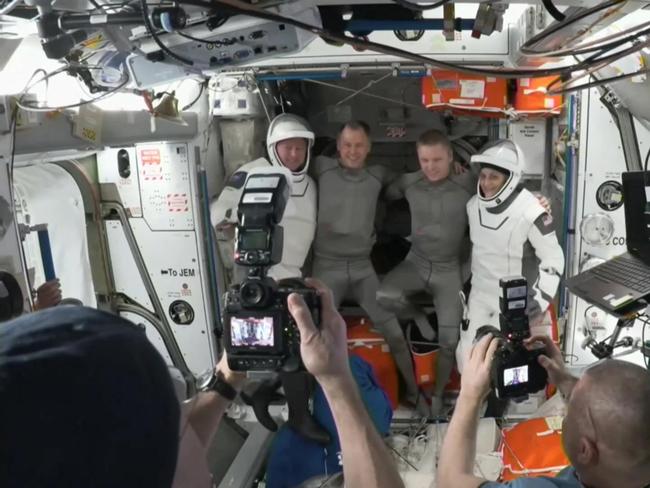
(551, 260)
(223, 211)
(394, 190)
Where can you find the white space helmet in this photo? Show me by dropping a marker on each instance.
(288, 126)
(506, 155)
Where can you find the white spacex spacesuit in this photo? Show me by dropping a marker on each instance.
(299, 220)
(511, 235)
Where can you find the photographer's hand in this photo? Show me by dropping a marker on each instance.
(475, 381)
(553, 363)
(366, 460)
(324, 351)
(458, 452)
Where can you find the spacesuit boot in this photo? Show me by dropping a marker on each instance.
(298, 388)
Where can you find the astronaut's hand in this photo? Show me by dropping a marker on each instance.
(324, 351)
(458, 169)
(48, 295)
(226, 229)
(544, 202)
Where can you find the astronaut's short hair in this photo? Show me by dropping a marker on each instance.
(433, 137)
(355, 125)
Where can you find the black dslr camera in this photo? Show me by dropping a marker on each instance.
(515, 370)
(260, 333)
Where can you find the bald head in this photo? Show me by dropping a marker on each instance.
(611, 404)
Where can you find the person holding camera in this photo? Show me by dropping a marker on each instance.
(288, 141)
(512, 234)
(86, 400)
(606, 430)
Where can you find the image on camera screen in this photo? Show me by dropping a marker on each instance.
(515, 376)
(252, 331)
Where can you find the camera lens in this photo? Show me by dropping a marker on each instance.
(252, 293)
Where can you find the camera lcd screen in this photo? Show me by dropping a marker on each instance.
(263, 182)
(252, 331)
(253, 239)
(516, 292)
(515, 376)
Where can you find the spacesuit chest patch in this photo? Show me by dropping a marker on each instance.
(237, 179)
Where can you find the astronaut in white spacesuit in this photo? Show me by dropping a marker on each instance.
(289, 141)
(512, 234)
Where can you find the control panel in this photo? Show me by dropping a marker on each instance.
(241, 39)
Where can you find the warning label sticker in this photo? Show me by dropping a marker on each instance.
(177, 202)
(150, 156)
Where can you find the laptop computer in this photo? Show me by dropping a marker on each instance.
(619, 285)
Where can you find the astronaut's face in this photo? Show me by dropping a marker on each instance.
(435, 161)
(353, 146)
(292, 152)
(491, 181)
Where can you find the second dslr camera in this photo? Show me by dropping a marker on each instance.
(515, 369)
(260, 333)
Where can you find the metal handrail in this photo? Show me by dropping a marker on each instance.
(158, 319)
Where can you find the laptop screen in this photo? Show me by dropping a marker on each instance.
(636, 198)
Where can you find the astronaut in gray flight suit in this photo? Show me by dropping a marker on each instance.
(348, 191)
(437, 200)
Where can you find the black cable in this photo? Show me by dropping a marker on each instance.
(593, 84)
(647, 157)
(645, 357)
(154, 36)
(587, 50)
(113, 6)
(608, 47)
(420, 7)
(14, 123)
(598, 63)
(41, 108)
(191, 104)
(97, 6)
(236, 6)
(552, 9)
(252, 11)
(197, 39)
(554, 29)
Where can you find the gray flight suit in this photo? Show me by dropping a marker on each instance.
(345, 235)
(439, 239)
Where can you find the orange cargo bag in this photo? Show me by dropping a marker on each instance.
(531, 97)
(465, 94)
(425, 363)
(533, 448)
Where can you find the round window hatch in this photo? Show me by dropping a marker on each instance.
(609, 195)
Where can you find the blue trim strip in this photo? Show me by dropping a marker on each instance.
(212, 260)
